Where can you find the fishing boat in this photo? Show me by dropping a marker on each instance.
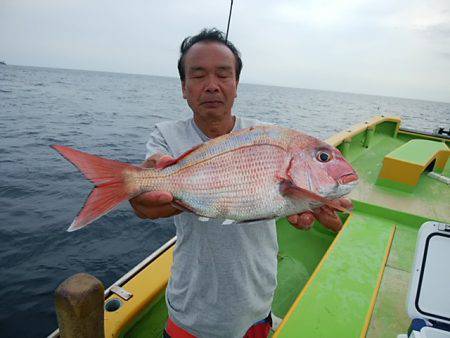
(351, 284)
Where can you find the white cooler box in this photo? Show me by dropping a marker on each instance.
(429, 291)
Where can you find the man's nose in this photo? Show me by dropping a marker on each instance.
(212, 85)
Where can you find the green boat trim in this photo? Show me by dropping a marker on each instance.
(350, 284)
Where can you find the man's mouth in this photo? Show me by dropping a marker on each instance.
(212, 104)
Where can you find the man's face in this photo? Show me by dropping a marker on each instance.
(210, 83)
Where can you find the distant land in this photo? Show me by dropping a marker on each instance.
(3, 63)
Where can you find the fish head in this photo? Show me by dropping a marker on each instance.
(321, 168)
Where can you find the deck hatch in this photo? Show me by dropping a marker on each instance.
(403, 166)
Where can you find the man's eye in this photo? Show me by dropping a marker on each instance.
(224, 74)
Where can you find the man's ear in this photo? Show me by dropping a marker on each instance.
(237, 84)
(183, 88)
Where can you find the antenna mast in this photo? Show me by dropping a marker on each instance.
(229, 19)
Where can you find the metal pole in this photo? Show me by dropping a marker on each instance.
(229, 19)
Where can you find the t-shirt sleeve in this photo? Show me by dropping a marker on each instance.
(156, 144)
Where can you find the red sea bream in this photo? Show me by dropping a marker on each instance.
(256, 173)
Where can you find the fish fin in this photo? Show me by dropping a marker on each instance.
(203, 219)
(287, 188)
(164, 163)
(182, 206)
(109, 179)
(228, 222)
(250, 221)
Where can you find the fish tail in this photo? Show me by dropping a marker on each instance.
(111, 184)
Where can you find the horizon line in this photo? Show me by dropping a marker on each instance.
(246, 83)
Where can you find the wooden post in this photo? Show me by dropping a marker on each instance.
(79, 307)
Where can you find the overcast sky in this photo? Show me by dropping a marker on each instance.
(396, 48)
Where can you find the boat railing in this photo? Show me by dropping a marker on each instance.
(133, 272)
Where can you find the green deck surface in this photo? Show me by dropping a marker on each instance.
(417, 151)
(300, 252)
(430, 198)
(389, 316)
(337, 301)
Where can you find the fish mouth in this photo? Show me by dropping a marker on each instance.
(347, 178)
(339, 190)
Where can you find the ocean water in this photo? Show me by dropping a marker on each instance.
(111, 115)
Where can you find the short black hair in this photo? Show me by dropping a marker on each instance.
(212, 34)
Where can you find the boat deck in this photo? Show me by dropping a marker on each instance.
(389, 315)
(429, 198)
(350, 285)
(360, 288)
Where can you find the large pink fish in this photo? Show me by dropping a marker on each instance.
(256, 173)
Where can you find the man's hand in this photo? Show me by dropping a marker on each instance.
(155, 204)
(325, 215)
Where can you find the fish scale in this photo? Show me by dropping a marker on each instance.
(239, 181)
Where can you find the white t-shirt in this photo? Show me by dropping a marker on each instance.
(223, 276)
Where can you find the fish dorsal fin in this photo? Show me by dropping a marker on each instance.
(164, 163)
(235, 140)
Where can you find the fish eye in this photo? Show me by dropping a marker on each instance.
(323, 156)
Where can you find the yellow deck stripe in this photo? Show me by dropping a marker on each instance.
(377, 288)
(311, 279)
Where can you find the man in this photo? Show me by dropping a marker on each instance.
(223, 276)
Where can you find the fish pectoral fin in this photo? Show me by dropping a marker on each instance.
(250, 221)
(182, 206)
(289, 189)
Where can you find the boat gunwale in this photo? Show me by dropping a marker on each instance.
(142, 265)
(359, 128)
(132, 273)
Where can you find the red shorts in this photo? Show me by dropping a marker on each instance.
(260, 329)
